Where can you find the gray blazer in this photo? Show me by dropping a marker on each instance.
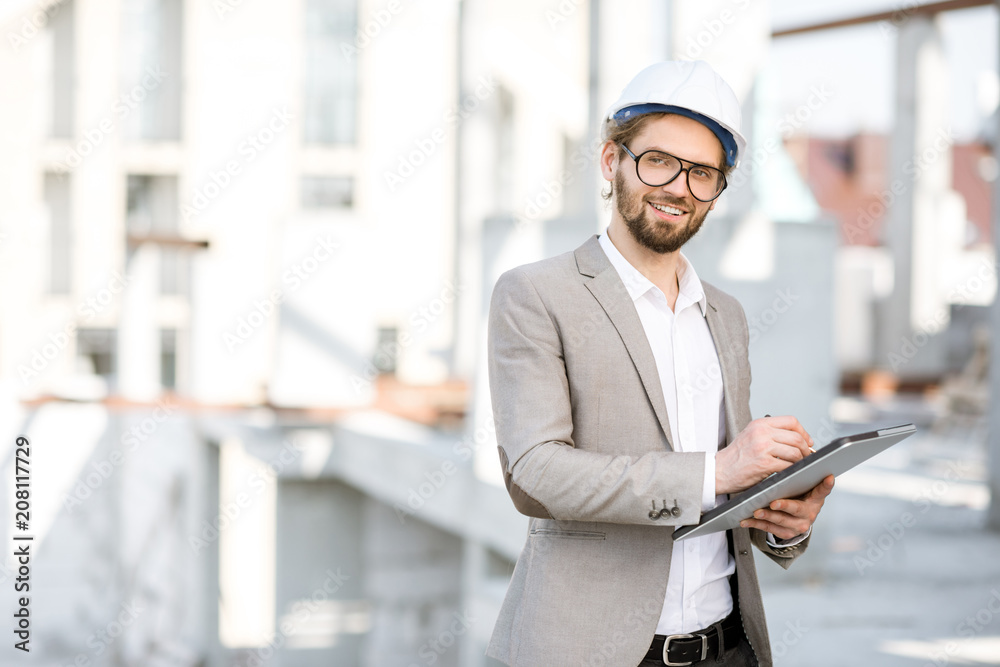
(585, 446)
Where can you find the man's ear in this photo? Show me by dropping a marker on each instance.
(609, 160)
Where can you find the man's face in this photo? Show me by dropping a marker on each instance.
(663, 219)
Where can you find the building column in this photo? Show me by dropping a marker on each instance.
(993, 439)
(925, 218)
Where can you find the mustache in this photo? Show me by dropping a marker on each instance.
(669, 200)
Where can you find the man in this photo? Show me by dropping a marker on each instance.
(620, 386)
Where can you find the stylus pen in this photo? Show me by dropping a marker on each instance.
(810, 449)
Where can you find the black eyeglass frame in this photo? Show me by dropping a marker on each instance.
(685, 170)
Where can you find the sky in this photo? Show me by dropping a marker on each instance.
(858, 63)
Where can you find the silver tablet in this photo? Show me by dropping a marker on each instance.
(839, 456)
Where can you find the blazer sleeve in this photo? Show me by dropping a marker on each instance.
(546, 474)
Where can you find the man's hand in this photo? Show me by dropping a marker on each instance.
(791, 517)
(765, 446)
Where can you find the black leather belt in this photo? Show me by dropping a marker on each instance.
(687, 649)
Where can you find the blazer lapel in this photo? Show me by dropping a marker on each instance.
(607, 287)
(724, 347)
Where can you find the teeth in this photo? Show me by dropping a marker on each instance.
(670, 210)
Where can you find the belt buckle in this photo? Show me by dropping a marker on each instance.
(666, 648)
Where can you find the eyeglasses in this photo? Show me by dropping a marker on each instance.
(656, 169)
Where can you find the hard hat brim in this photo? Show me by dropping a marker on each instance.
(729, 143)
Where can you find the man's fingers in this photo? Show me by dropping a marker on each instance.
(789, 517)
(778, 529)
(790, 423)
(797, 505)
(787, 506)
(792, 438)
(787, 452)
(784, 520)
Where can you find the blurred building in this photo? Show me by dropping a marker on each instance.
(850, 179)
(916, 272)
(248, 251)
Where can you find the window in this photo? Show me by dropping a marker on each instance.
(56, 194)
(151, 69)
(387, 351)
(96, 352)
(168, 358)
(60, 22)
(152, 211)
(331, 76)
(327, 192)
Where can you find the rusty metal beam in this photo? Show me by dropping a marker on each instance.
(895, 16)
(167, 240)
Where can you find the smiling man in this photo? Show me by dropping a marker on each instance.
(609, 435)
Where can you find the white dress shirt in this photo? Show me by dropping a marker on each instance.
(698, 592)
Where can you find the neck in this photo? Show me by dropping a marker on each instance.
(660, 269)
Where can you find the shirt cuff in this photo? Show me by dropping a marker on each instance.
(791, 541)
(708, 490)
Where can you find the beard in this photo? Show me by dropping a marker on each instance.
(658, 236)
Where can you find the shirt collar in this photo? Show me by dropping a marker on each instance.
(690, 288)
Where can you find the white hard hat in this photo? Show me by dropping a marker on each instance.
(690, 88)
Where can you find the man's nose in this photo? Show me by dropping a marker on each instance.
(677, 187)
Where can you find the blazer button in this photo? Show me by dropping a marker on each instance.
(654, 515)
(674, 511)
(743, 552)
